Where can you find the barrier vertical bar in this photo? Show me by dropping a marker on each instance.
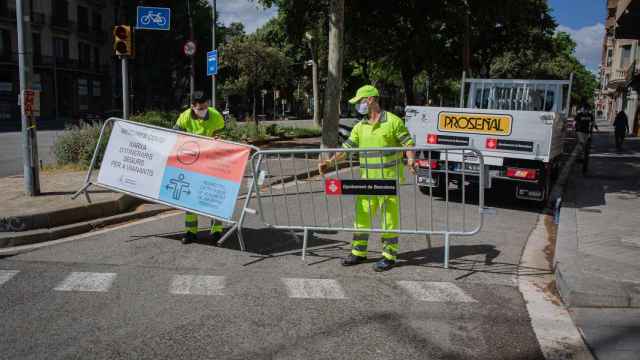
(295, 179)
(273, 199)
(284, 189)
(313, 205)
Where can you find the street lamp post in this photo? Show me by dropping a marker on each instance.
(314, 70)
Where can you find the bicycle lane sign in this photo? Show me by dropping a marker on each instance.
(153, 18)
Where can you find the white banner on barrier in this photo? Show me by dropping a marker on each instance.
(203, 175)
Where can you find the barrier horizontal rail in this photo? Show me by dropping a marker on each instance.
(299, 198)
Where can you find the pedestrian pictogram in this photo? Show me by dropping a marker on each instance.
(179, 187)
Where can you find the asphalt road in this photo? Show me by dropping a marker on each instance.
(11, 150)
(136, 292)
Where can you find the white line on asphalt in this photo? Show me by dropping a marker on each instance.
(314, 288)
(197, 285)
(87, 281)
(6, 275)
(435, 291)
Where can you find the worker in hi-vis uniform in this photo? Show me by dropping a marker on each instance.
(379, 129)
(199, 119)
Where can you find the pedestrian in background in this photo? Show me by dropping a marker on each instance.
(378, 129)
(621, 126)
(199, 119)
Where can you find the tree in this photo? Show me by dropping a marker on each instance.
(333, 92)
(249, 65)
(558, 62)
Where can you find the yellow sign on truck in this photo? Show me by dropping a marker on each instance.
(491, 124)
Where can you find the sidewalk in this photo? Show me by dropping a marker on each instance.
(597, 262)
(53, 214)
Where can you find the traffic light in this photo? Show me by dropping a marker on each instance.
(123, 40)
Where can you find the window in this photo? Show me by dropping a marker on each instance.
(83, 87)
(625, 56)
(609, 57)
(37, 49)
(97, 89)
(5, 43)
(96, 21)
(96, 58)
(83, 19)
(612, 12)
(84, 54)
(61, 48)
(60, 12)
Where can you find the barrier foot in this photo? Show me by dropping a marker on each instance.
(224, 238)
(83, 189)
(428, 241)
(305, 238)
(446, 251)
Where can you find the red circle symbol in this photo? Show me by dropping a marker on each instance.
(189, 153)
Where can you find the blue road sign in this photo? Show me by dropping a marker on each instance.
(153, 18)
(212, 63)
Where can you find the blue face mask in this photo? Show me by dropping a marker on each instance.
(363, 108)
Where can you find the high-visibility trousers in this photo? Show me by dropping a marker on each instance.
(367, 207)
(191, 224)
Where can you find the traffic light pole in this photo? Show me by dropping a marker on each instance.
(30, 147)
(213, 36)
(125, 88)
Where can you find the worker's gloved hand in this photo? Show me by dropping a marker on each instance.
(323, 165)
(411, 164)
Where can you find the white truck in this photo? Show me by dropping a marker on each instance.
(518, 125)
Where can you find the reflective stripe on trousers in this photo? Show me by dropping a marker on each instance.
(367, 207)
(191, 224)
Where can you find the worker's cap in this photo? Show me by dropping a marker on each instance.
(198, 97)
(364, 92)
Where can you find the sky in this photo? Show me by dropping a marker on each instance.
(583, 19)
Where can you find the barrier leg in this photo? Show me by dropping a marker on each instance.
(446, 250)
(428, 240)
(82, 190)
(305, 238)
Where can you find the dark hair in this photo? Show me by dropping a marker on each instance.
(198, 97)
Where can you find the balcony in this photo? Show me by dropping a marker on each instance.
(622, 77)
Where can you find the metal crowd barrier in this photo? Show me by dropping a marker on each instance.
(292, 195)
(246, 185)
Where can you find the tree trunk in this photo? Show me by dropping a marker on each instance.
(255, 118)
(333, 90)
(407, 82)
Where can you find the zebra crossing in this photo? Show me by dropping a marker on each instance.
(296, 288)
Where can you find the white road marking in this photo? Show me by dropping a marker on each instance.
(197, 285)
(314, 288)
(435, 291)
(87, 281)
(6, 275)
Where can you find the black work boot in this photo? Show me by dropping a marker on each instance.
(353, 260)
(188, 238)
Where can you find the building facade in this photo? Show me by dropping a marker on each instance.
(620, 67)
(72, 60)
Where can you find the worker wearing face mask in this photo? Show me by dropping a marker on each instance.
(379, 129)
(199, 119)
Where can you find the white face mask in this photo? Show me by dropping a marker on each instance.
(363, 108)
(200, 113)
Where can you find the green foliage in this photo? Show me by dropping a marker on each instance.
(165, 119)
(557, 62)
(76, 145)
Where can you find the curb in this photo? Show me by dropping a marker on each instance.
(77, 214)
(10, 240)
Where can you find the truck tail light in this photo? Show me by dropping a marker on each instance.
(525, 174)
(432, 139)
(426, 164)
(491, 143)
